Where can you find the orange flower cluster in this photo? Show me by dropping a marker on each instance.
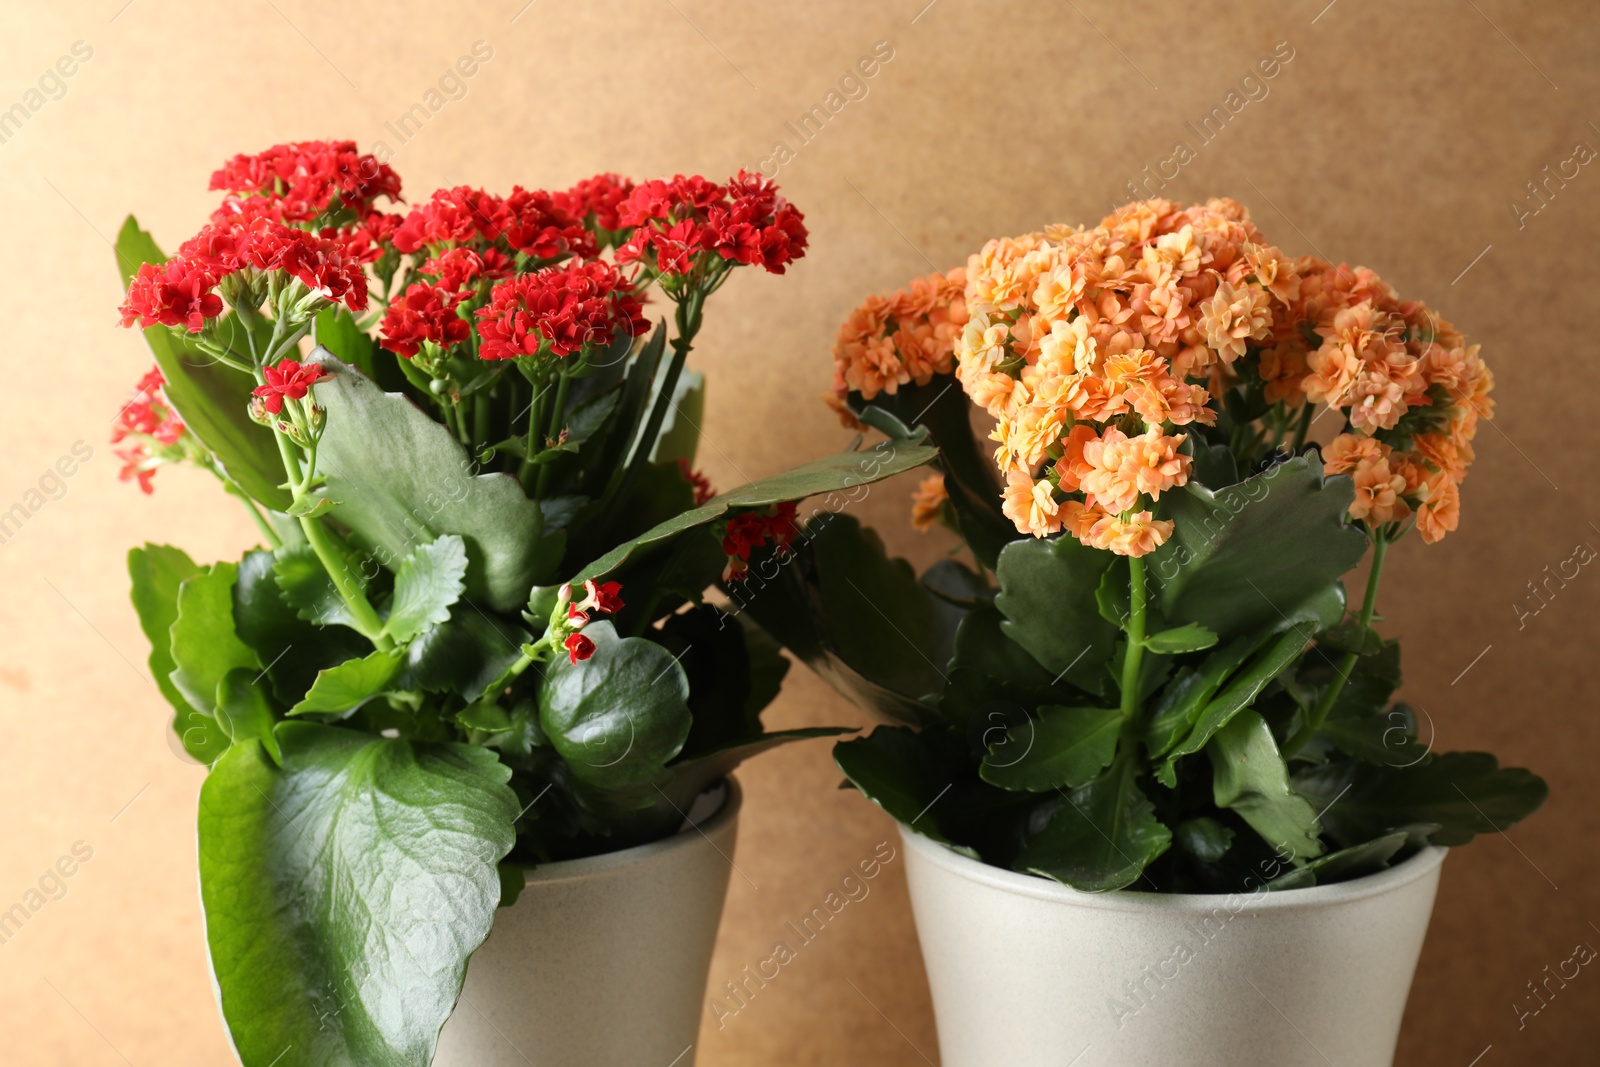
(1088, 346)
(893, 340)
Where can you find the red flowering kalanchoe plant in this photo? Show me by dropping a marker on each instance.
(434, 630)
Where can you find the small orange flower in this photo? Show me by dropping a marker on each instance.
(1031, 505)
(927, 502)
(1439, 513)
(1378, 493)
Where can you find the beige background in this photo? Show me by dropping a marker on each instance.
(1397, 137)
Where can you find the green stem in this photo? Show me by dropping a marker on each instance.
(689, 319)
(1303, 426)
(365, 618)
(557, 414)
(480, 417)
(535, 421)
(271, 535)
(1133, 658)
(1319, 714)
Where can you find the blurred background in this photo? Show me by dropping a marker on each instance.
(1446, 145)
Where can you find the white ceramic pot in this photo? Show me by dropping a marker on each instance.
(1027, 972)
(602, 960)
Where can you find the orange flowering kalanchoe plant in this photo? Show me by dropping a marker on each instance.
(1159, 680)
(475, 636)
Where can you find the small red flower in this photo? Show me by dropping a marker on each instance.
(578, 648)
(701, 484)
(136, 468)
(545, 227)
(425, 313)
(577, 614)
(605, 597)
(751, 530)
(287, 381)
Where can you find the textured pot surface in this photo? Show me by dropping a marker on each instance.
(601, 960)
(1025, 971)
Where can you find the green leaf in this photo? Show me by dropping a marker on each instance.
(403, 480)
(905, 774)
(1102, 836)
(427, 584)
(1245, 557)
(311, 507)
(679, 438)
(463, 654)
(485, 718)
(293, 649)
(1465, 793)
(344, 892)
(1191, 637)
(342, 689)
(205, 646)
(336, 330)
(157, 572)
(619, 716)
(1062, 748)
(1242, 691)
(1181, 702)
(244, 711)
(212, 399)
(1249, 776)
(820, 476)
(1048, 596)
(1204, 838)
(308, 589)
(1345, 864)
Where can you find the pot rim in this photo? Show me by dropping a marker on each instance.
(707, 828)
(1409, 870)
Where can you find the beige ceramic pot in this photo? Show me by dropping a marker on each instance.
(601, 960)
(1025, 971)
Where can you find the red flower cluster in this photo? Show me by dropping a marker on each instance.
(287, 381)
(425, 313)
(679, 220)
(567, 308)
(148, 420)
(322, 265)
(301, 181)
(178, 292)
(751, 530)
(181, 291)
(463, 266)
(536, 222)
(598, 199)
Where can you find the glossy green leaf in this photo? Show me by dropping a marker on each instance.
(1243, 689)
(205, 646)
(336, 330)
(211, 398)
(1203, 837)
(1244, 557)
(293, 649)
(430, 580)
(1173, 716)
(820, 476)
(1048, 596)
(904, 774)
(244, 711)
(619, 716)
(342, 689)
(464, 654)
(402, 480)
(1465, 793)
(1191, 637)
(679, 438)
(1101, 838)
(1343, 865)
(336, 938)
(157, 572)
(308, 589)
(1249, 777)
(1061, 748)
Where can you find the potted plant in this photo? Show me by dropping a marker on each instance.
(471, 658)
(1156, 798)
